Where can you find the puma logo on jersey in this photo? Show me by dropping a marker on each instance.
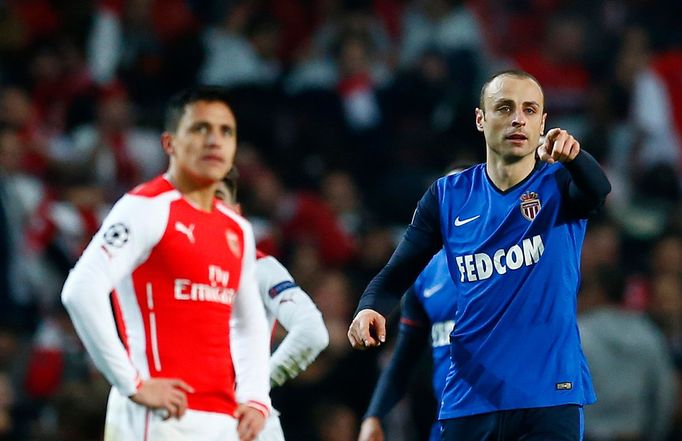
(187, 231)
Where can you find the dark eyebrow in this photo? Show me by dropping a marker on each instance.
(202, 123)
(509, 101)
(198, 124)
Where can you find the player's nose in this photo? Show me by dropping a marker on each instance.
(212, 139)
(519, 119)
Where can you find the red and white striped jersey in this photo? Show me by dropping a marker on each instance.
(186, 296)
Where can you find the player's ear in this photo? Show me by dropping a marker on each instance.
(167, 143)
(480, 118)
(542, 126)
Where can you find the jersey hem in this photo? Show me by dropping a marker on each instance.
(479, 411)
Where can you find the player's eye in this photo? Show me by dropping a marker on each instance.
(504, 109)
(530, 111)
(201, 129)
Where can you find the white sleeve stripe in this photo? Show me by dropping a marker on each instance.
(150, 297)
(155, 342)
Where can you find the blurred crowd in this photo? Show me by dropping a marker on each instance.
(347, 110)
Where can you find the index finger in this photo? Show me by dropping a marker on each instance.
(180, 400)
(354, 342)
(356, 333)
(552, 133)
(245, 430)
(370, 321)
(176, 382)
(559, 145)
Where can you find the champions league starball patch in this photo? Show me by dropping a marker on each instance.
(117, 235)
(530, 205)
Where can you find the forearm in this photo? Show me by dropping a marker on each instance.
(306, 337)
(86, 298)
(250, 342)
(589, 185)
(392, 383)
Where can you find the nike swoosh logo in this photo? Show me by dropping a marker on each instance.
(431, 291)
(459, 223)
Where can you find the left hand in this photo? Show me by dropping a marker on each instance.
(251, 422)
(558, 146)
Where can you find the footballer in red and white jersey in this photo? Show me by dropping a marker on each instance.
(184, 282)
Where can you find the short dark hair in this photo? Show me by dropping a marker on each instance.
(230, 181)
(177, 103)
(510, 73)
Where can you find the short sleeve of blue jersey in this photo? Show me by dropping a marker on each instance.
(412, 312)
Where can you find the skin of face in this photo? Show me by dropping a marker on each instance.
(203, 147)
(512, 120)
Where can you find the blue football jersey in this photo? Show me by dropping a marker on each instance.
(514, 257)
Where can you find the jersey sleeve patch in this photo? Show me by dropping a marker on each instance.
(281, 287)
(117, 235)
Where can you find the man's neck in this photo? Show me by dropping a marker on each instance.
(201, 195)
(506, 174)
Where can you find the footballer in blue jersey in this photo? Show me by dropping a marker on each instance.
(512, 230)
(427, 309)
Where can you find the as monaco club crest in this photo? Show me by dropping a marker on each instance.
(530, 205)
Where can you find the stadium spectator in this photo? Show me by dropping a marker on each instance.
(629, 359)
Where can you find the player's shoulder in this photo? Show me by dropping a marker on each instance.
(232, 216)
(467, 173)
(147, 202)
(267, 264)
(458, 178)
(151, 189)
